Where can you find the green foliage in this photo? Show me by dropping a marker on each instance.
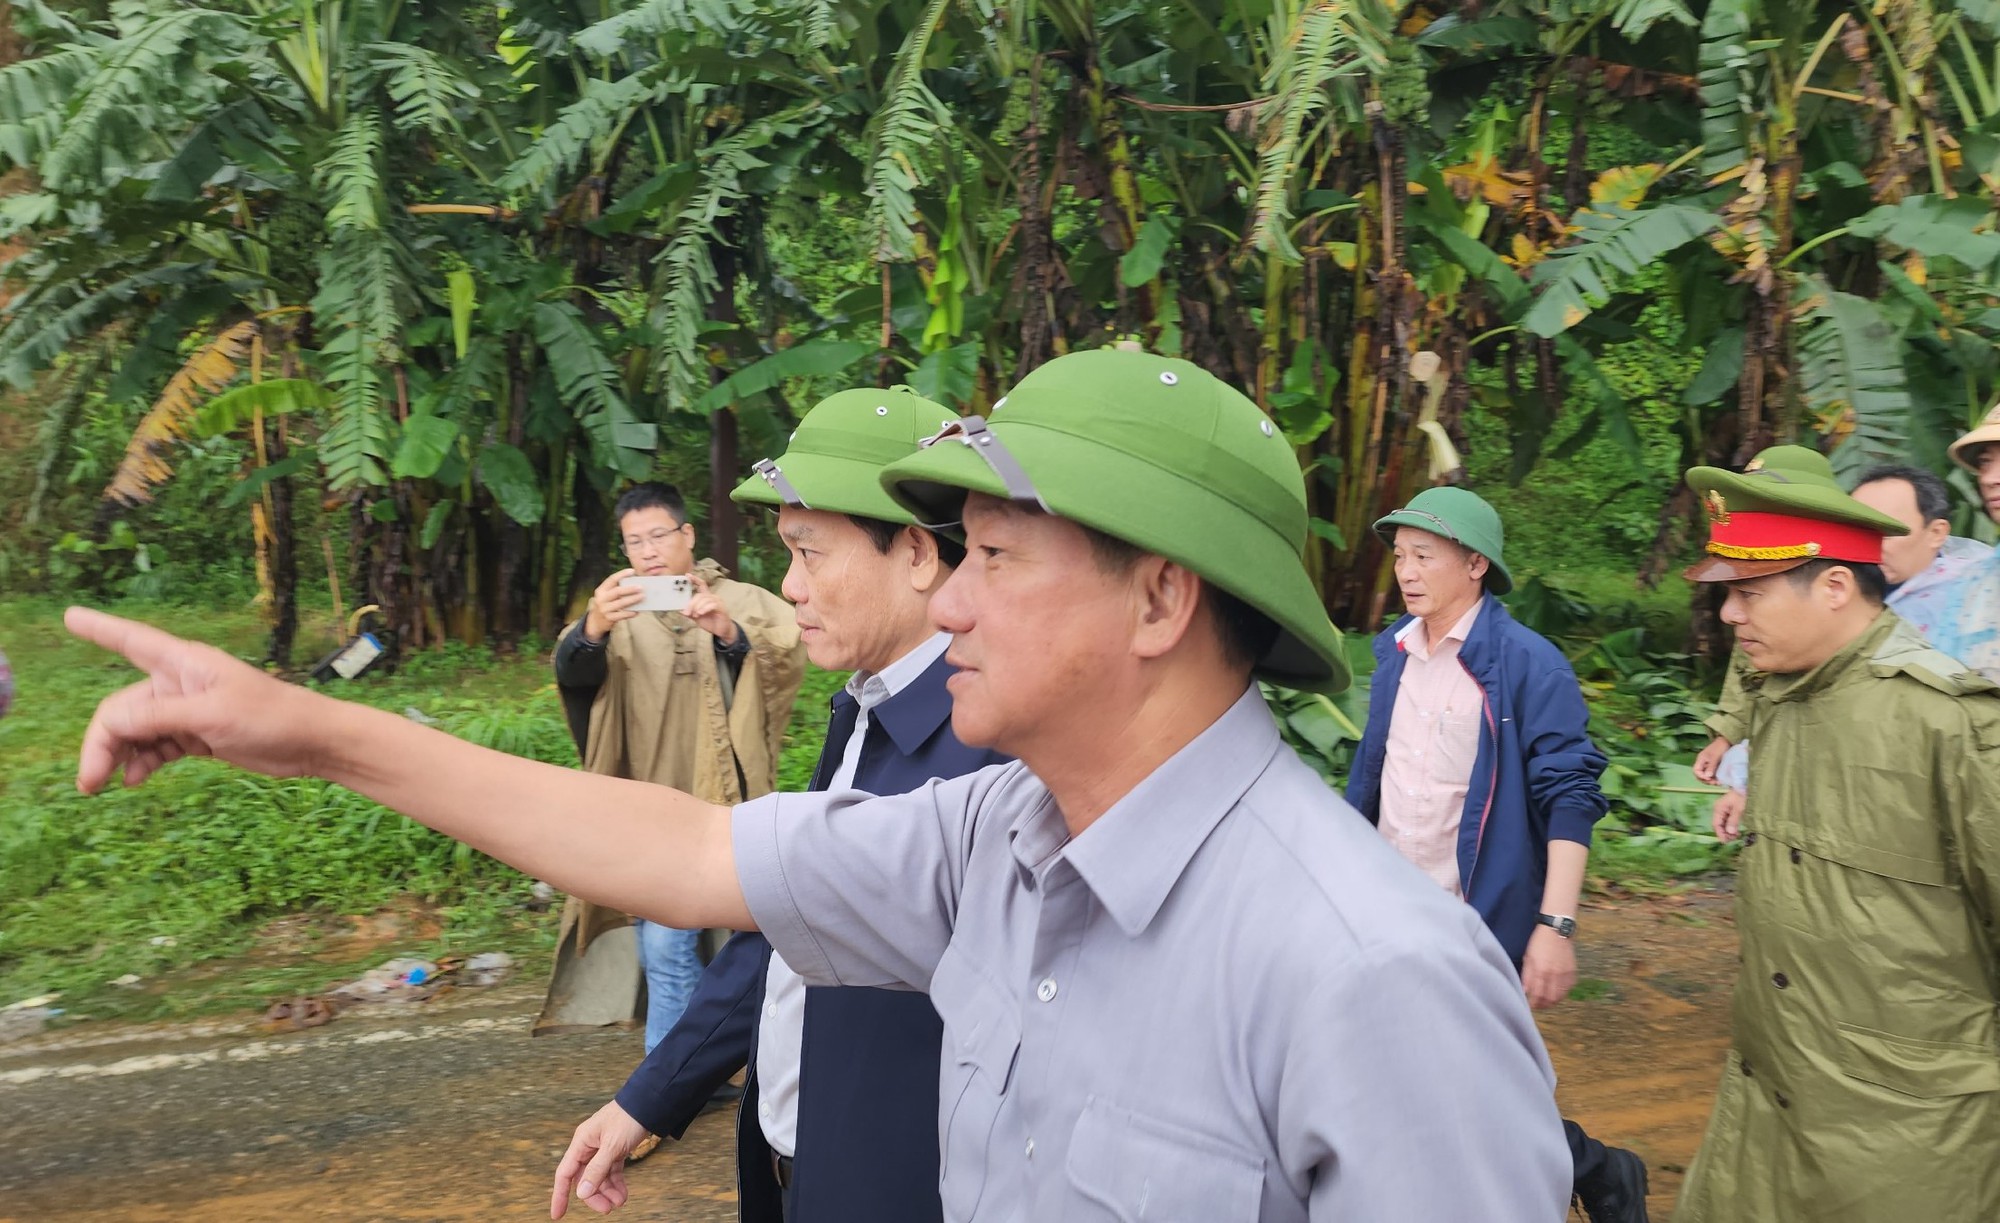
(595, 117)
(108, 106)
(910, 120)
(1935, 227)
(1298, 80)
(1647, 718)
(1325, 730)
(1590, 508)
(1611, 242)
(810, 359)
(1851, 371)
(203, 856)
(1633, 18)
(586, 377)
(575, 232)
(231, 410)
(808, 729)
(508, 475)
(1728, 93)
(425, 88)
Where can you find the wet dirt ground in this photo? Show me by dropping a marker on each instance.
(451, 1112)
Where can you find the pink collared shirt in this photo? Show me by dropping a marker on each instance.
(1433, 741)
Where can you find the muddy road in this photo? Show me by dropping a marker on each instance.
(451, 1112)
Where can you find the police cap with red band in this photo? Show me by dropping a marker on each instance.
(1779, 512)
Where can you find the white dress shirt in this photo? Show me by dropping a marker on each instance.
(781, 1028)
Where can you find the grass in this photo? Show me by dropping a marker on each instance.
(1591, 989)
(183, 881)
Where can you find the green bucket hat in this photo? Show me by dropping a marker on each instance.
(1783, 509)
(1158, 453)
(1462, 516)
(835, 457)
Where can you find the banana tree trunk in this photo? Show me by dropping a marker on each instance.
(509, 615)
(284, 553)
(725, 521)
(284, 535)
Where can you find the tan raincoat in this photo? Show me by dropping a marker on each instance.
(1863, 1083)
(670, 713)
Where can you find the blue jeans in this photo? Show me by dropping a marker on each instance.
(672, 964)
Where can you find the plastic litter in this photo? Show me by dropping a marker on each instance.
(487, 968)
(399, 980)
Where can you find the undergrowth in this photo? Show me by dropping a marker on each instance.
(187, 868)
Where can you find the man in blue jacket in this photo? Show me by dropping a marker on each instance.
(839, 1113)
(1477, 765)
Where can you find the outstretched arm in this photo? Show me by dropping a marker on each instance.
(645, 849)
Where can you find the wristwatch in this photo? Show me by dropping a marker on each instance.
(1565, 926)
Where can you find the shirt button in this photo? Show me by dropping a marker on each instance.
(1780, 980)
(1046, 991)
(1749, 838)
(1796, 856)
(1747, 1072)
(1783, 1101)
(1031, 1148)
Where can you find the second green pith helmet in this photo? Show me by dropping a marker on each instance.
(1461, 515)
(1162, 455)
(835, 458)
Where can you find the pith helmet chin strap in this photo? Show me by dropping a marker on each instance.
(972, 431)
(775, 477)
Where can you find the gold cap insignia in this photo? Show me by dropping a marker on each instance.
(1756, 464)
(1718, 509)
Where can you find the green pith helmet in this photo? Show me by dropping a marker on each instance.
(835, 457)
(1158, 453)
(1462, 516)
(1783, 509)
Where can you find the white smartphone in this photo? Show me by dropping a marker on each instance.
(663, 593)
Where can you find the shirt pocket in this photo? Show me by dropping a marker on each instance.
(1135, 1167)
(1927, 1069)
(1455, 747)
(982, 1036)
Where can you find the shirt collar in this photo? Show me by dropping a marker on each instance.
(871, 688)
(1132, 856)
(908, 699)
(1415, 638)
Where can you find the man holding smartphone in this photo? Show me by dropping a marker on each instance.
(839, 1115)
(696, 699)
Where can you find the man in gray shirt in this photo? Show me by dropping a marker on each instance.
(1179, 977)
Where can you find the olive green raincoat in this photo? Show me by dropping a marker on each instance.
(1863, 1083)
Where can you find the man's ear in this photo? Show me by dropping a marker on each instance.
(1166, 597)
(1842, 587)
(926, 567)
(1477, 564)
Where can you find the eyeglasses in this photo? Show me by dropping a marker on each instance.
(651, 543)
